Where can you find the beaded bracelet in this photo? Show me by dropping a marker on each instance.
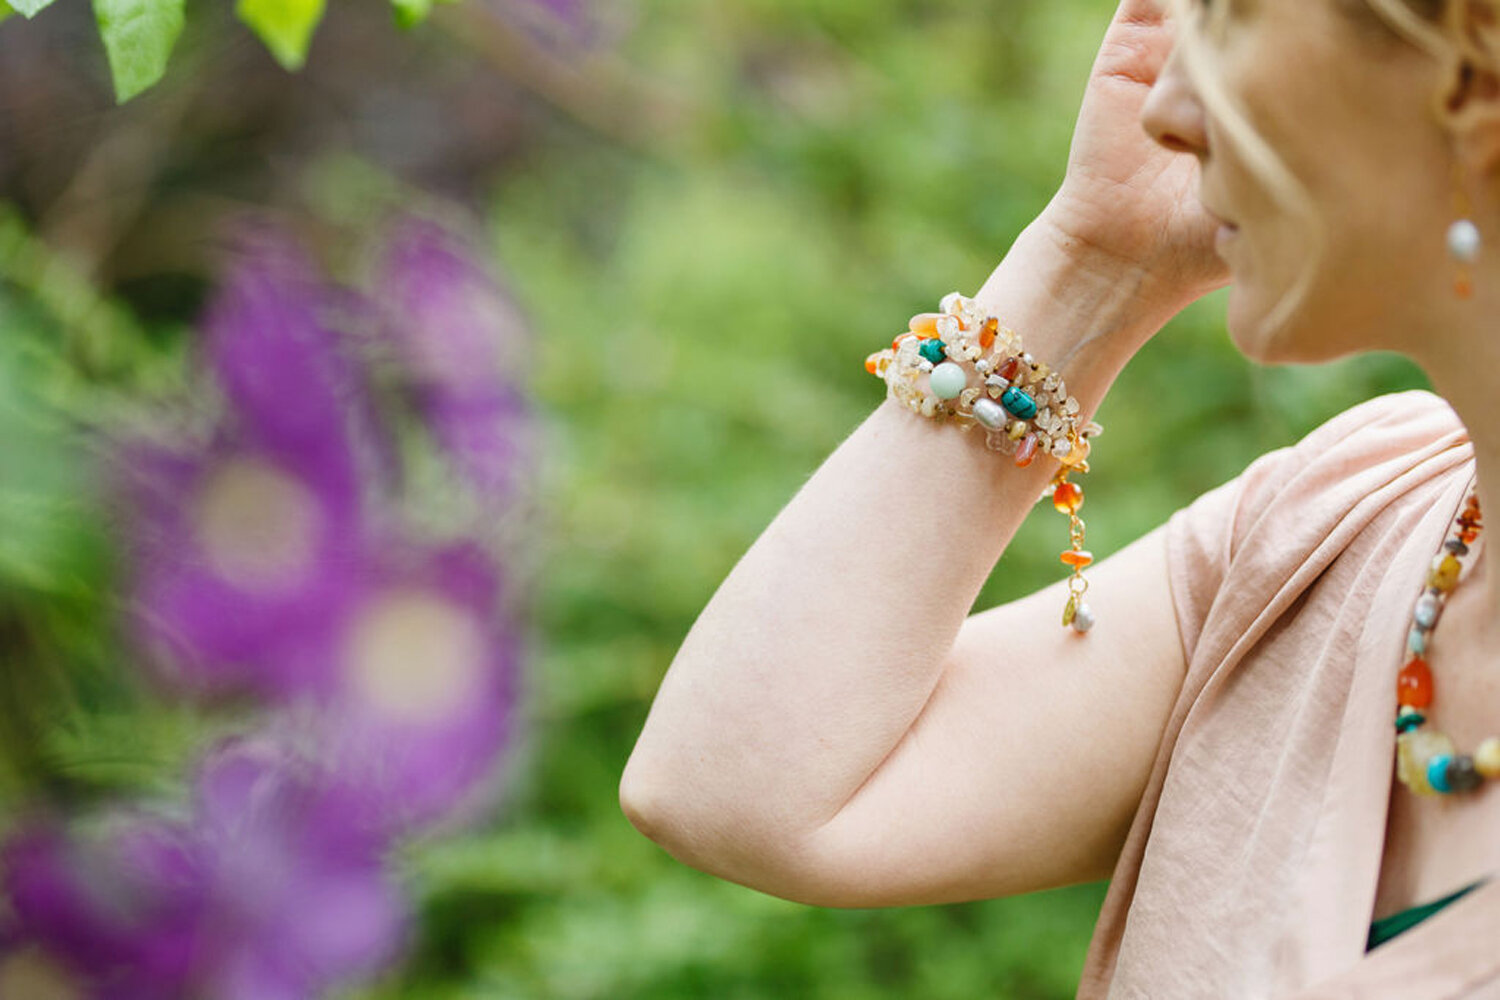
(960, 365)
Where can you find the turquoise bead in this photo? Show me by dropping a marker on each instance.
(1437, 772)
(934, 350)
(1021, 405)
(948, 380)
(1416, 640)
(1410, 720)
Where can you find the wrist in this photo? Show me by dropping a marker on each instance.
(1084, 312)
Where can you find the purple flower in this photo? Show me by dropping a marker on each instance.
(294, 390)
(428, 668)
(243, 563)
(483, 436)
(275, 890)
(246, 549)
(124, 907)
(300, 898)
(463, 343)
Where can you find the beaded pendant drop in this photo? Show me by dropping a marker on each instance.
(1426, 760)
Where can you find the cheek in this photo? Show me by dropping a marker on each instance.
(1296, 300)
(1357, 260)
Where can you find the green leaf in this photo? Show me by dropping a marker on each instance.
(285, 26)
(410, 13)
(138, 37)
(43, 513)
(26, 8)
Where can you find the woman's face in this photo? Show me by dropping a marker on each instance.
(1346, 110)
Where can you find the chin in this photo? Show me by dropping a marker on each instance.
(1308, 335)
(1245, 320)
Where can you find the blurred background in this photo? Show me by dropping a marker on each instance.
(371, 435)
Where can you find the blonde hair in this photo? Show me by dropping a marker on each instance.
(1432, 26)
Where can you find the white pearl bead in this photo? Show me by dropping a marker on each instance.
(1464, 241)
(989, 413)
(1083, 618)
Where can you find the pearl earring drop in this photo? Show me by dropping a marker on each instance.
(1464, 239)
(1464, 244)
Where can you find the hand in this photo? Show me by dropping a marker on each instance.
(1126, 200)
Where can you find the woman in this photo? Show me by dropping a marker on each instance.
(1220, 744)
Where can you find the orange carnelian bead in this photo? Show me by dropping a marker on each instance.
(1067, 497)
(1026, 450)
(924, 324)
(1009, 369)
(1414, 684)
(1463, 287)
(1078, 558)
(987, 335)
(871, 362)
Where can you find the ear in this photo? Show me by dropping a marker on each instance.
(1469, 101)
(1472, 83)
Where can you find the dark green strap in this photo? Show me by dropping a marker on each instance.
(1386, 928)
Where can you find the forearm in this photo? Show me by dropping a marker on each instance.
(820, 648)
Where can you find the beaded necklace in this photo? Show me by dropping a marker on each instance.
(1425, 758)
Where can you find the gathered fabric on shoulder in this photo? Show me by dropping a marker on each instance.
(1251, 866)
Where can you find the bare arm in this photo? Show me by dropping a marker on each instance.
(834, 728)
(791, 709)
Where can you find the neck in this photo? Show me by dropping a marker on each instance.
(1462, 368)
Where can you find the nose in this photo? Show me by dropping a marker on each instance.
(1172, 114)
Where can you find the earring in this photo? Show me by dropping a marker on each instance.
(1464, 240)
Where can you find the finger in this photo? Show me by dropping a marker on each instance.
(1143, 12)
(1137, 44)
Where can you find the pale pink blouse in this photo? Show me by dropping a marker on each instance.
(1251, 866)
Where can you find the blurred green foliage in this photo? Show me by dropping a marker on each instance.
(701, 309)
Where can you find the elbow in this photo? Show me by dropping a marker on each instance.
(740, 850)
(656, 802)
(641, 802)
(655, 805)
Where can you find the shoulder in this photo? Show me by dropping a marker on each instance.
(1383, 424)
(1369, 449)
(1293, 511)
